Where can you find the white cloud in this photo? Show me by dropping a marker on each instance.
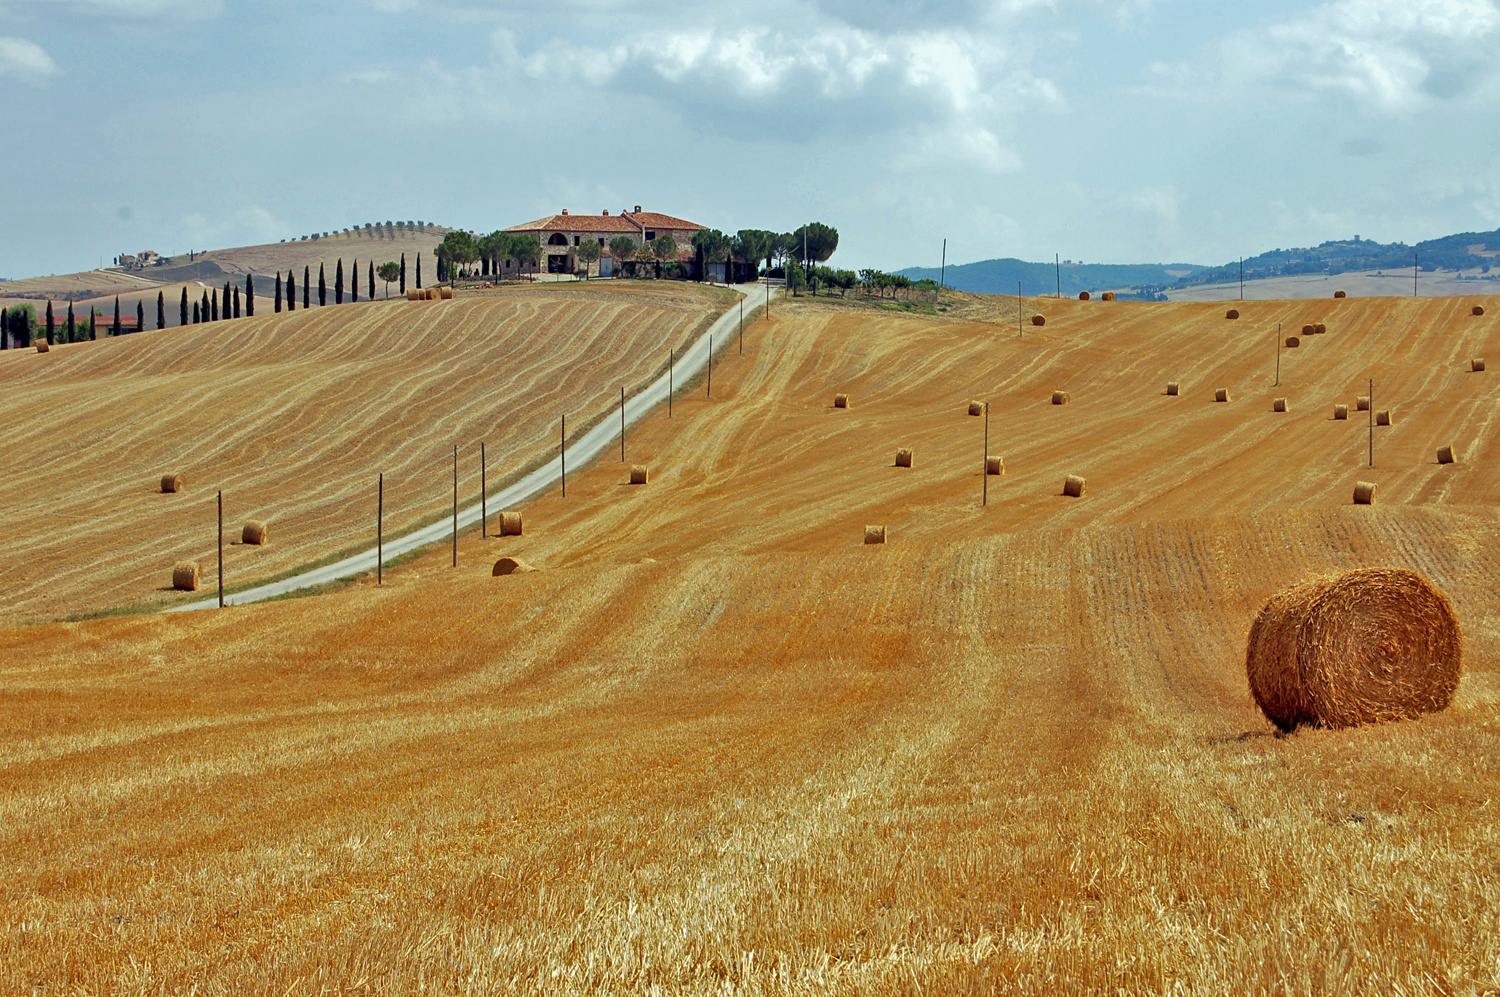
(248, 226)
(25, 61)
(144, 9)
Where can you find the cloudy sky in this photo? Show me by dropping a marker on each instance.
(1104, 130)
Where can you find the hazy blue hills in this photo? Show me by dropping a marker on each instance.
(1002, 276)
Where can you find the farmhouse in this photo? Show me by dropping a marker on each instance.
(561, 235)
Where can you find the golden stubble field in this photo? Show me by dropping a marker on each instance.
(716, 745)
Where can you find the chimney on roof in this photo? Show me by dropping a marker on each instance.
(565, 210)
(637, 208)
(606, 212)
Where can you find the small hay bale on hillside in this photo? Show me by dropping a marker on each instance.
(994, 464)
(1339, 294)
(171, 483)
(1383, 417)
(640, 474)
(1362, 403)
(1447, 455)
(976, 408)
(1073, 486)
(1341, 412)
(1279, 405)
(874, 534)
(1479, 309)
(1364, 493)
(1477, 364)
(1309, 330)
(510, 524)
(1292, 342)
(42, 346)
(840, 401)
(447, 293)
(185, 576)
(1083, 295)
(1232, 313)
(434, 294)
(1060, 398)
(903, 457)
(1038, 320)
(1369, 646)
(1320, 329)
(510, 566)
(413, 294)
(254, 533)
(1174, 388)
(1221, 394)
(1108, 296)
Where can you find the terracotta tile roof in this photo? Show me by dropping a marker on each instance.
(656, 220)
(578, 223)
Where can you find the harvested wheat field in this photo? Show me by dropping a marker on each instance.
(717, 744)
(293, 416)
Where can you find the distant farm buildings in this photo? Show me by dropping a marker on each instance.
(562, 236)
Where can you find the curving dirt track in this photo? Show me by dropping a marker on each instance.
(293, 416)
(717, 745)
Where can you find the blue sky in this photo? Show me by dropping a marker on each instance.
(1104, 130)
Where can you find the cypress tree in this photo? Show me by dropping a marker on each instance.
(93, 327)
(307, 287)
(354, 281)
(213, 314)
(140, 315)
(291, 292)
(278, 292)
(338, 283)
(51, 325)
(236, 302)
(249, 295)
(226, 301)
(72, 325)
(322, 288)
(403, 275)
(203, 312)
(419, 270)
(161, 309)
(195, 313)
(117, 316)
(372, 280)
(183, 317)
(4, 328)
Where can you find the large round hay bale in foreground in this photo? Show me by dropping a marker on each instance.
(1447, 455)
(1083, 295)
(1370, 646)
(1479, 309)
(255, 532)
(1320, 329)
(1362, 403)
(640, 474)
(1073, 486)
(1038, 320)
(903, 457)
(42, 346)
(447, 293)
(1383, 417)
(1364, 493)
(1477, 364)
(434, 294)
(1232, 313)
(172, 483)
(510, 524)
(510, 566)
(840, 401)
(874, 534)
(1341, 412)
(1060, 398)
(994, 464)
(415, 294)
(1279, 405)
(1174, 388)
(976, 408)
(1292, 342)
(1308, 330)
(1108, 296)
(185, 576)
(1339, 294)
(1221, 394)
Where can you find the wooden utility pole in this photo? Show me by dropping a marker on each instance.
(984, 469)
(742, 326)
(672, 366)
(1242, 278)
(1057, 263)
(484, 510)
(1372, 422)
(622, 424)
(221, 550)
(1414, 271)
(943, 270)
(1020, 307)
(562, 450)
(455, 505)
(710, 392)
(1278, 354)
(379, 532)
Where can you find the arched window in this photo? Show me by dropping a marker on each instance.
(558, 239)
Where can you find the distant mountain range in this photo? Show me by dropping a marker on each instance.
(1465, 251)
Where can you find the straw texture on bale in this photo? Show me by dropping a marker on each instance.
(255, 533)
(1279, 405)
(1446, 455)
(903, 457)
(510, 524)
(1060, 398)
(874, 534)
(1083, 295)
(42, 346)
(1173, 388)
(994, 465)
(1038, 320)
(1370, 646)
(1479, 309)
(1108, 296)
(1073, 486)
(1364, 493)
(413, 294)
(1383, 417)
(185, 576)
(1341, 411)
(840, 401)
(1362, 403)
(1308, 330)
(976, 408)
(1232, 313)
(1292, 342)
(1477, 364)
(1320, 328)
(447, 293)
(434, 294)
(1221, 394)
(510, 566)
(1339, 294)
(640, 474)
(172, 483)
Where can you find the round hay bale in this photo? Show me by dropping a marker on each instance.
(1369, 646)
(1309, 330)
(1477, 364)
(1232, 313)
(640, 474)
(1073, 486)
(903, 457)
(510, 566)
(1364, 493)
(874, 534)
(1221, 394)
(1320, 329)
(510, 524)
(413, 294)
(1447, 455)
(1383, 417)
(976, 408)
(994, 465)
(1341, 411)
(42, 346)
(1038, 320)
(1060, 398)
(255, 532)
(1279, 405)
(1292, 342)
(1339, 294)
(1362, 403)
(1108, 296)
(1174, 388)
(185, 576)
(1083, 295)
(1479, 309)
(447, 293)
(432, 294)
(172, 483)
(840, 401)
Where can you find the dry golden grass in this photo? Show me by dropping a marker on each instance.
(719, 745)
